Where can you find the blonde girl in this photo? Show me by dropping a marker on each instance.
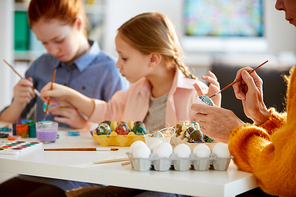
(162, 88)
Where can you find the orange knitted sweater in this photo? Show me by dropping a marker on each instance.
(269, 150)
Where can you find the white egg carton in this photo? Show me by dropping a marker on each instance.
(179, 164)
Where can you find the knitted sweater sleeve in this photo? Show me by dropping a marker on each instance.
(269, 150)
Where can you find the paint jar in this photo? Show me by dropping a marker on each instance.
(14, 128)
(32, 129)
(22, 130)
(46, 131)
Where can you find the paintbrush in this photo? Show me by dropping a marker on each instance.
(34, 89)
(237, 80)
(112, 160)
(52, 81)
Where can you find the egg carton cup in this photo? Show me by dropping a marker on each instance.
(113, 139)
(179, 164)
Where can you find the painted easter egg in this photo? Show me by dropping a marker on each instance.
(203, 99)
(196, 136)
(107, 122)
(157, 134)
(139, 122)
(122, 129)
(207, 139)
(188, 131)
(93, 128)
(139, 129)
(103, 129)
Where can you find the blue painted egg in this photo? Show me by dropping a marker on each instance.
(139, 129)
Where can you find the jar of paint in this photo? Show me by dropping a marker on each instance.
(22, 130)
(46, 131)
(32, 129)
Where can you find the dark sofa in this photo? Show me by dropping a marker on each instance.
(274, 87)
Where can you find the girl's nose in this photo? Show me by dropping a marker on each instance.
(279, 5)
(117, 65)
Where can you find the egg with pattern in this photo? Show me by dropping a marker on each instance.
(203, 99)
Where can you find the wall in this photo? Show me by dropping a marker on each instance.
(6, 50)
(281, 36)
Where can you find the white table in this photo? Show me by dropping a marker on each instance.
(79, 166)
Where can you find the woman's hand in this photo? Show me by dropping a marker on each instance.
(214, 87)
(68, 114)
(23, 92)
(215, 122)
(249, 90)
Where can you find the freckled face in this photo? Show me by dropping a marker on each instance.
(60, 40)
(132, 63)
(289, 7)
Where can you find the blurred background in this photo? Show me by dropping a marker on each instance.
(231, 32)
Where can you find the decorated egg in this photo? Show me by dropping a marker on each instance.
(157, 134)
(139, 129)
(163, 150)
(107, 122)
(203, 99)
(182, 150)
(207, 139)
(178, 128)
(93, 128)
(196, 136)
(122, 129)
(139, 122)
(103, 129)
(221, 150)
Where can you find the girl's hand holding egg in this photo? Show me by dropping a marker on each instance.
(214, 87)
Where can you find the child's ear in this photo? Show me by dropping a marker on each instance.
(155, 59)
(79, 23)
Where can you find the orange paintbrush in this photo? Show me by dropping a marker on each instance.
(52, 81)
(237, 80)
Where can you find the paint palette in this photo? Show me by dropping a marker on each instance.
(18, 147)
